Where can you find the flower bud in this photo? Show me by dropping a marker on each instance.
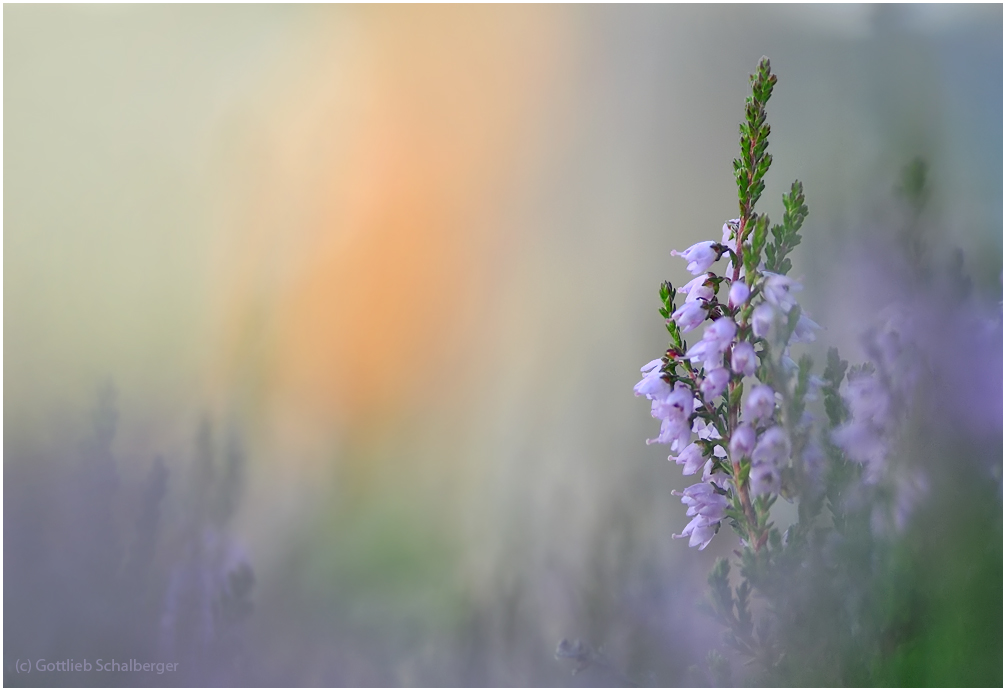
(739, 293)
(742, 441)
(715, 383)
(744, 360)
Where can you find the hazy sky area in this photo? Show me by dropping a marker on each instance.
(409, 256)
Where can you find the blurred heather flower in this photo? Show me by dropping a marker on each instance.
(778, 290)
(761, 320)
(760, 403)
(804, 330)
(765, 479)
(773, 446)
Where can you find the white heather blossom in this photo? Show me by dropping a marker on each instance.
(714, 343)
(699, 532)
(764, 479)
(673, 412)
(742, 441)
(739, 293)
(743, 360)
(691, 458)
(804, 331)
(689, 315)
(707, 507)
(715, 382)
(671, 432)
(761, 320)
(696, 289)
(703, 429)
(772, 447)
(699, 256)
(700, 292)
(779, 289)
(703, 500)
(648, 367)
(760, 403)
(652, 385)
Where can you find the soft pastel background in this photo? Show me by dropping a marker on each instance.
(379, 279)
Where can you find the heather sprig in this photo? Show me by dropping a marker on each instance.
(736, 406)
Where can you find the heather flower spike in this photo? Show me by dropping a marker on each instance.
(765, 425)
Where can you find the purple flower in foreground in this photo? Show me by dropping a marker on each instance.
(742, 441)
(743, 360)
(699, 256)
(715, 383)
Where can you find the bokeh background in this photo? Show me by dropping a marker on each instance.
(322, 322)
